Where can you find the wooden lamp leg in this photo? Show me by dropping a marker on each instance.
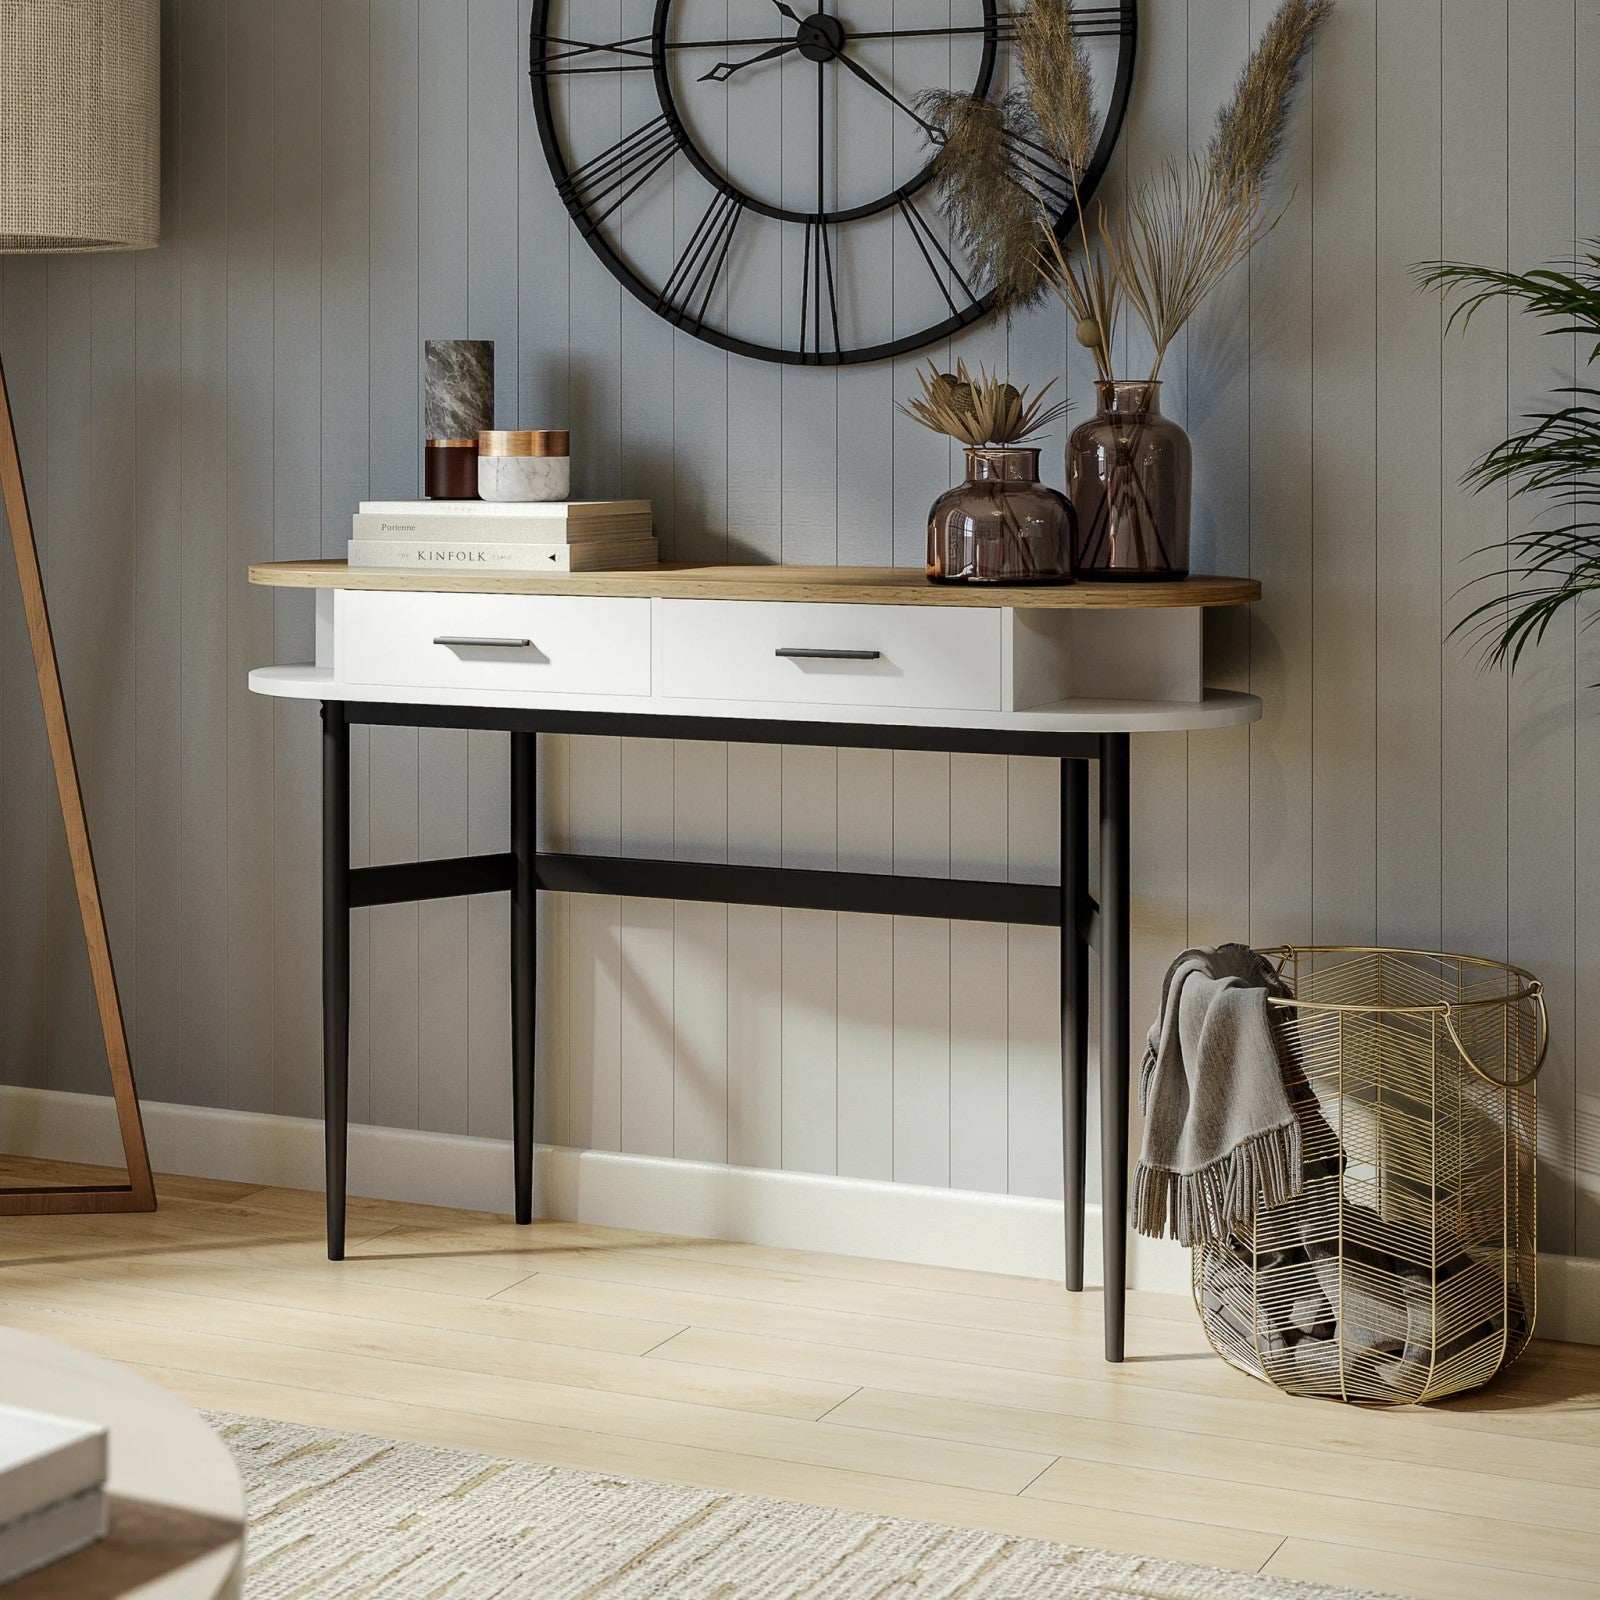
(138, 1193)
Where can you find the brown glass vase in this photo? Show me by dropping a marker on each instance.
(1129, 470)
(1002, 525)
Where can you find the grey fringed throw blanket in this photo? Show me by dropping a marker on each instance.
(1220, 1136)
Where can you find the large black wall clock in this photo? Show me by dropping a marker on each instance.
(757, 172)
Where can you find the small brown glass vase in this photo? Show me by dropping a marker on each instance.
(1128, 470)
(1002, 525)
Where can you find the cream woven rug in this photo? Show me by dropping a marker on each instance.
(338, 1516)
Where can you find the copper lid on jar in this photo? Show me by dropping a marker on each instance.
(524, 442)
(451, 444)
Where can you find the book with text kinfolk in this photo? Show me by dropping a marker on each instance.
(592, 555)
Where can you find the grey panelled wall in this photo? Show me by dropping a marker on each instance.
(346, 177)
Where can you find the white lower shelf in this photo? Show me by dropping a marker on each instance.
(1220, 708)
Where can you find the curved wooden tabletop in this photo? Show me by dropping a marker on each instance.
(177, 1505)
(898, 586)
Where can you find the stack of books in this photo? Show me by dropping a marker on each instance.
(496, 536)
(52, 1489)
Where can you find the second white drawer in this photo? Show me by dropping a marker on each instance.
(550, 644)
(941, 658)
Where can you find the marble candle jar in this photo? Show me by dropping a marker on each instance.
(524, 464)
(459, 387)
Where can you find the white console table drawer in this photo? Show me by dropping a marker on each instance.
(804, 653)
(577, 644)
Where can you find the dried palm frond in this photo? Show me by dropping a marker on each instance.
(1249, 132)
(980, 411)
(993, 216)
(1055, 63)
(1176, 237)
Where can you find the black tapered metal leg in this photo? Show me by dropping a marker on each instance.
(1074, 1007)
(1114, 1062)
(335, 963)
(524, 957)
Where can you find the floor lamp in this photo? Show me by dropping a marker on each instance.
(80, 137)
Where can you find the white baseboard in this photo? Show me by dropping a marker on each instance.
(796, 1210)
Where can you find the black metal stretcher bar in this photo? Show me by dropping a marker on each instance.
(961, 899)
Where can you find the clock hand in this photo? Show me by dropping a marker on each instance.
(879, 87)
(726, 69)
(793, 16)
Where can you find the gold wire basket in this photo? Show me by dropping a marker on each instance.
(1405, 1269)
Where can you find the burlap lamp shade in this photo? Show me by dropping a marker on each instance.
(80, 125)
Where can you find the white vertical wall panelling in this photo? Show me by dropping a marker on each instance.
(403, 1010)
(347, 179)
(1541, 800)
(152, 1002)
(810, 966)
(647, 954)
(493, 312)
(67, 395)
(1343, 115)
(383, 827)
(921, 975)
(700, 959)
(1280, 423)
(258, 919)
(109, 614)
(1473, 383)
(296, 517)
(1586, 845)
(755, 963)
(1159, 875)
(865, 1034)
(1213, 373)
(1410, 496)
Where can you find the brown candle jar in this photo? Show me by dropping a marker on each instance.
(450, 469)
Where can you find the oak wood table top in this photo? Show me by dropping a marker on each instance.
(898, 586)
(177, 1505)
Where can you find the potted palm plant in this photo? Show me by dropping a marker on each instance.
(1556, 453)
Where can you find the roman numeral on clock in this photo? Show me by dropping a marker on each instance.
(686, 295)
(819, 299)
(611, 178)
(939, 263)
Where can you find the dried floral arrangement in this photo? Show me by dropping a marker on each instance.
(1174, 237)
(980, 411)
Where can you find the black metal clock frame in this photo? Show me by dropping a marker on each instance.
(709, 246)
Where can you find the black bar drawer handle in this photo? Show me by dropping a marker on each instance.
(482, 644)
(794, 653)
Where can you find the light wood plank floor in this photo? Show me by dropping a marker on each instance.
(915, 1391)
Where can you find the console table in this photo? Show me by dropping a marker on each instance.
(838, 656)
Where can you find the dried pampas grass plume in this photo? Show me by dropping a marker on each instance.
(1249, 132)
(993, 217)
(1055, 63)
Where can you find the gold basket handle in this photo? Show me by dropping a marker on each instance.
(1536, 995)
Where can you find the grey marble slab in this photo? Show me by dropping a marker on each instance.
(460, 387)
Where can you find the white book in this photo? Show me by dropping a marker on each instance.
(592, 555)
(52, 1534)
(534, 510)
(46, 1459)
(466, 528)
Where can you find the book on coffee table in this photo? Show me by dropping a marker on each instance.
(52, 1488)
